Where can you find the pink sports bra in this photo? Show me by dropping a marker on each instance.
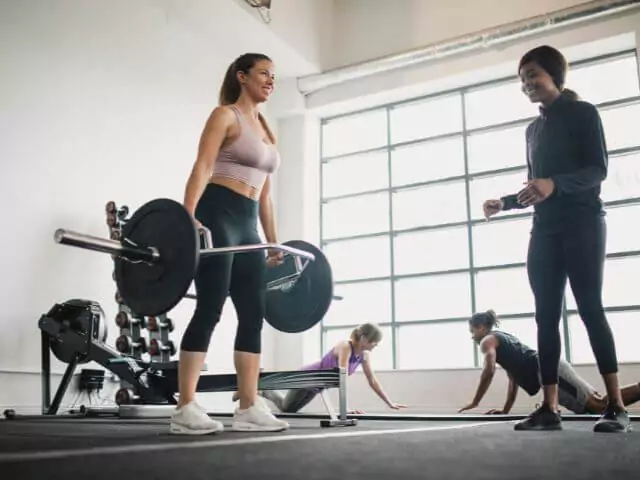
(248, 159)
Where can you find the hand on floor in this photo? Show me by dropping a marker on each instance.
(468, 407)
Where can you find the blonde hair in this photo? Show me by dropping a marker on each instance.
(370, 331)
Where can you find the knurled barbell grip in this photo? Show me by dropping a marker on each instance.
(257, 246)
(106, 245)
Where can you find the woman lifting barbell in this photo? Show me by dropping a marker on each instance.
(348, 354)
(227, 192)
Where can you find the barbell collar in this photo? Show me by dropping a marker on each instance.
(105, 245)
(257, 246)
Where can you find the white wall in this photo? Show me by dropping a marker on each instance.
(424, 391)
(605, 35)
(102, 101)
(368, 29)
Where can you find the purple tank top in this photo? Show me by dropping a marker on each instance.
(330, 361)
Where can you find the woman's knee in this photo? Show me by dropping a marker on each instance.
(249, 335)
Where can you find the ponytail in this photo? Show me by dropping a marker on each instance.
(571, 94)
(231, 88)
(488, 319)
(369, 331)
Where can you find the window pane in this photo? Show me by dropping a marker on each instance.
(431, 160)
(626, 331)
(431, 205)
(603, 82)
(433, 297)
(499, 243)
(623, 178)
(620, 287)
(524, 328)
(361, 258)
(623, 224)
(505, 291)
(621, 126)
(497, 104)
(444, 345)
(347, 174)
(381, 356)
(366, 300)
(496, 186)
(428, 118)
(356, 215)
(354, 133)
(431, 251)
(483, 154)
(311, 345)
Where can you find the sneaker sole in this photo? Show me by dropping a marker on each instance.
(182, 430)
(626, 429)
(252, 427)
(539, 428)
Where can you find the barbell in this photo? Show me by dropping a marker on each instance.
(158, 255)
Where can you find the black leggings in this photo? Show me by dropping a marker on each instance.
(232, 219)
(576, 252)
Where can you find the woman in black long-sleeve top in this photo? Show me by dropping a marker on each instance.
(567, 162)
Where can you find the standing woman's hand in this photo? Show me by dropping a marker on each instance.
(536, 191)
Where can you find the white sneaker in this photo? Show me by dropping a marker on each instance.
(257, 418)
(191, 419)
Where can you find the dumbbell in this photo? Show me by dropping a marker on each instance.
(153, 324)
(123, 320)
(156, 346)
(115, 234)
(126, 396)
(119, 299)
(126, 345)
(112, 220)
(110, 207)
(123, 212)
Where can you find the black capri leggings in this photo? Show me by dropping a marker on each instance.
(576, 252)
(232, 219)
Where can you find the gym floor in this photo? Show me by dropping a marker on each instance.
(439, 449)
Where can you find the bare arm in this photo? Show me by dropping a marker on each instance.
(375, 384)
(213, 135)
(512, 393)
(267, 215)
(488, 348)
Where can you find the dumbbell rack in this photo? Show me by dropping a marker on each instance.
(158, 347)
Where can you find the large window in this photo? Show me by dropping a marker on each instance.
(402, 223)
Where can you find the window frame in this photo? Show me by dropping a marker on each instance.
(471, 219)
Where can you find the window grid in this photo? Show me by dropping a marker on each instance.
(470, 222)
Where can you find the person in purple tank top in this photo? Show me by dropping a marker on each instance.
(349, 354)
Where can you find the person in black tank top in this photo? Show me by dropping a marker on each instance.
(521, 363)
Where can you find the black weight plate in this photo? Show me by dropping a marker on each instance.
(304, 305)
(150, 290)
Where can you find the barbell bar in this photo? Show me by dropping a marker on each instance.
(158, 255)
(150, 254)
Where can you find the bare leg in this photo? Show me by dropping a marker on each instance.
(189, 368)
(550, 395)
(614, 396)
(248, 371)
(630, 394)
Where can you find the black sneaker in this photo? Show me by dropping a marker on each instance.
(613, 419)
(541, 419)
